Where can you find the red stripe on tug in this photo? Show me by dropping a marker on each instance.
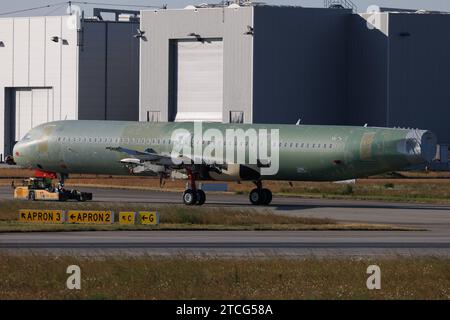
(44, 174)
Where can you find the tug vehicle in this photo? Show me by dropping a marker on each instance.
(41, 188)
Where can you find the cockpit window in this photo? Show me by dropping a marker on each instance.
(26, 137)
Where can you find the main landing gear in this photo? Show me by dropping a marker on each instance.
(260, 195)
(193, 196)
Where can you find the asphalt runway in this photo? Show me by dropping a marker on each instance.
(241, 243)
(434, 241)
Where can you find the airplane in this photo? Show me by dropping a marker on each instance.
(210, 151)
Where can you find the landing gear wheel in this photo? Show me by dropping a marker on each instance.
(260, 196)
(267, 196)
(189, 197)
(255, 197)
(201, 197)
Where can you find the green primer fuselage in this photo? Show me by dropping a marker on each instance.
(306, 153)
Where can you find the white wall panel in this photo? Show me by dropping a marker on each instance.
(37, 52)
(200, 80)
(6, 52)
(69, 78)
(32, 107)
(24, 112)
(21, 52)
(6, 74)
(53, 63)
(40, 104)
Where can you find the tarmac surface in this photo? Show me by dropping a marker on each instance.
(434, 241)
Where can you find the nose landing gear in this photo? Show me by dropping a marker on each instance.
(260, 195)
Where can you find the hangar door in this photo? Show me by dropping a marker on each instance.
(33, 106)
(199, 80)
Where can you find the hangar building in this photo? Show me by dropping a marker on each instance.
(58, 67)
(251, 64)
(399, 72)
(268, 64)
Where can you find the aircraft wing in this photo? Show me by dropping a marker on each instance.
(149, 156)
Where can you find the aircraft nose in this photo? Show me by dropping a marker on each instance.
(20, 153)
(419, 146)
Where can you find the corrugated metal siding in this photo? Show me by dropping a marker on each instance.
(24, 112)
(123, 72)
(238, 62)
(162, 26)
(300, 65)
(37, 55)
(420, 72)
(30, 58)
(109, 71)
(32, 106)
(367, 72)
(199, 80)
(92, 68)
(399, 73)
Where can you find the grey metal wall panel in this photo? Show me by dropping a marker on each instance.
(109, 71)
(238, 62)
(7, 135)
(92, 70)
(420, 72)
(123, 72)
(367, 72)
(300, 65)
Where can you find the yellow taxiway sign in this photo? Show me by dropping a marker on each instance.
(148, 218)
(41, 216)
(90, 217)
(127, 217)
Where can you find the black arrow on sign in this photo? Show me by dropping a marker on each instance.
(72, 216)
(23, 215)
(144, 218)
